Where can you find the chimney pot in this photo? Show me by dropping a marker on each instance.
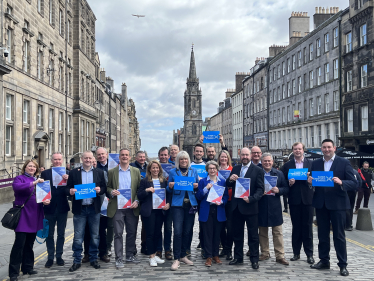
(316, 10)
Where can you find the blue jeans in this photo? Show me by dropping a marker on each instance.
(183, 222)
(60, 219)
(168, 222)
(87, 215)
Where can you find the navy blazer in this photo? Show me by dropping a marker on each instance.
(205, 205)
(145, 198)
(257, 188)
(335, 198)
(300, 191)
(75, 178)
(269, 206)
(59, 200)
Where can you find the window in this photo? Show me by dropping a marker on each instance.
(336, 68)
(50, 144)
(288, 114)
(68, 146)
(327, 103)
(59, 142)
(348, 42)
(275, 118)
(283, 69)
(50, 74)
(60, 25)
(336, 100)
(350, 120)
(283, 115)
(336, 125)
(274, 74)
(306, 137)
(349, 80)
(359, 4)
(318, 43)
(283, 91)
(26, 105)
(60, 78)
(327, 72)
(40, 6)
(300, 135)
(9, 34)
(50, 119)
(69, 123)
(299, 83)
(279, 116)
(319, 128)
(60, 122)
(305, 56)
(82, 136)
(363, 39)
(312, 136)
(311, 77)
(87, 136)
(288, 89)
(279, 94)
(8, 140)
(288, 65)
(305, 84)
(293, 62)
(336, 37)
(25, 141)
(327, 130)
(39, 117)
(68, 31)
(51, 12)
(299, 58)
(310, 52)
(311, 105)
(364, 75)
(26, 47)
(40, 66)
(319, 105)
(326, 42)
(364, 118)
(293, 87)
(319, 73)
(8, 107)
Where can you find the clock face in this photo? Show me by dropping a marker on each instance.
(194, 112)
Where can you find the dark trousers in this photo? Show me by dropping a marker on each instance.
(226, 230)
(183, 222)
(168, 223)
(103, 245)
(153, 230)
(337, 218)
(285, 203)
(363, 193)
(53, 219)
(22, 253)
(109, 233)
(211, 231)
(349, 212)
(238, 221)
(143, 236)
(302, 229)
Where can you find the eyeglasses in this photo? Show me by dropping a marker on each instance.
(212, 168)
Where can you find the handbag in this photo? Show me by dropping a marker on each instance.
(43, 233)
(11, 218)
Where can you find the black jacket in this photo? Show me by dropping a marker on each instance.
(257, 189)
(145, 198)
(300, 191)
(59, 199)
(137, 165)
(75, 178)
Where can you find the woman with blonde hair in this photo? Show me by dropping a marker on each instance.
(152, 218)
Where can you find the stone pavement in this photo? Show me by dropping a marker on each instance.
(360, 259)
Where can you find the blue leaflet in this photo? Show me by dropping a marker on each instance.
(323, 178)
(298, 174)
(184, 183)
(211, 136)
(200, 170)
(85, 191)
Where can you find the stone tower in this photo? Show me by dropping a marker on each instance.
(192, 110)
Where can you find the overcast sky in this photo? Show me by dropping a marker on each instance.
(152, 54)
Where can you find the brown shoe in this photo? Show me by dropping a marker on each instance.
(159, 254)
(105, 258)
(282, 261)
(248, 253)
(264, 257)
(217, 260)
(168, 255)
(208, 262)
(85, 259)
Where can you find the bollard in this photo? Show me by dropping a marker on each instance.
(364, 219)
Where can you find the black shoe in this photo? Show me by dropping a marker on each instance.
(31, 272)
(60, 261)
(15, 278)
(255, 265)
(236, 262)
(222, 254)
(229, 256)
(285, 211)
(49, 263)
(344, 271)
(295, 258)
(198, 246)
(348, 228)
(95, 264)
(310, 260)
(320, 265)
(74, 267)
(202, 254)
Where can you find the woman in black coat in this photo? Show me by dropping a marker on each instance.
(152, 218)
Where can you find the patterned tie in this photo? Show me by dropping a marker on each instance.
(242, 172)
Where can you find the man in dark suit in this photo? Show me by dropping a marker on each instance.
(331, 204)
(300, 198)
(245, 210)
(86, 209)
(56, 213)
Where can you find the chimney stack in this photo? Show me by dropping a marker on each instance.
(298, 24)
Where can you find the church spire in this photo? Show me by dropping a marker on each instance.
(192, 75)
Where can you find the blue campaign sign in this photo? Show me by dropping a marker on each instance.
(113, 160)
(298, 174)
(322, 178)
(200, 170)
(270, 182)
(184, 183)
(167, 167)
(85, 191)
(224, 173)
(215, 193)
(142, 175)
(211, 136)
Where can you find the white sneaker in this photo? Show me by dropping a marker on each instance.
(152, 262)
(158, 260)
(119, 264)
(175, 265)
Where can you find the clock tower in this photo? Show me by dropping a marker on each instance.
(192, 110)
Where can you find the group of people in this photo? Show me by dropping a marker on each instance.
(220, 223)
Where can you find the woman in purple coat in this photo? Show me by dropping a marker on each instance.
(31, 220)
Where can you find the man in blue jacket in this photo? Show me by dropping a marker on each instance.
(331, 204)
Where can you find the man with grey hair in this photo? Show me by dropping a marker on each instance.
(270, 212)
(174, 150)
(256, 155)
